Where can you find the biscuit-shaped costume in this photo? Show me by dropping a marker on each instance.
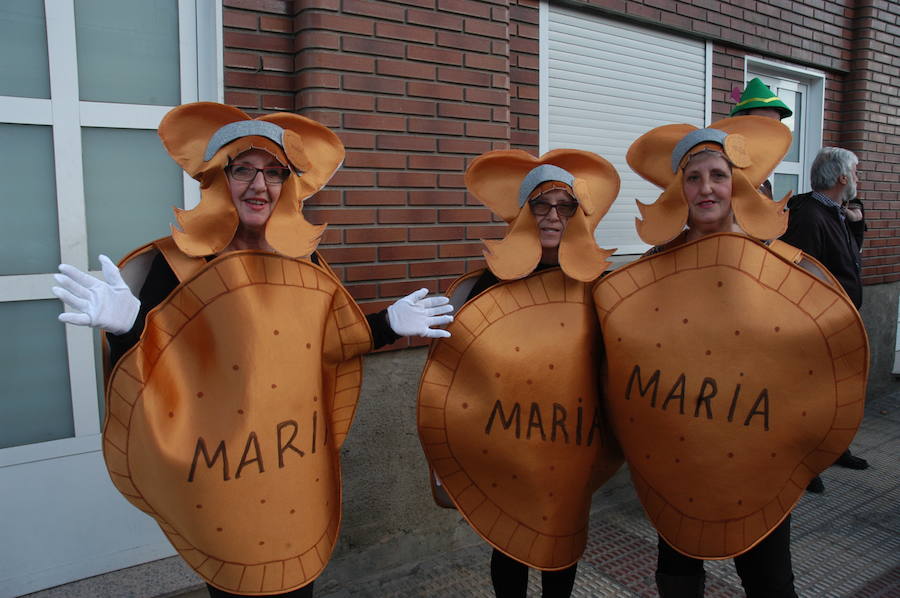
(224, 421)
(737, 369)
(509, 410)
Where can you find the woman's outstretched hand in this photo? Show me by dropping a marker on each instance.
(108, 305)
(415, 314)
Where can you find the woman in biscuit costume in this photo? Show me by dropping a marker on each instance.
(736, 366)
(235, 355)
(509, 414)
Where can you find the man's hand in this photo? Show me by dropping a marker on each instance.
(108, 305)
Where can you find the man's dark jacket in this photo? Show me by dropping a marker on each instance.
(820, 231)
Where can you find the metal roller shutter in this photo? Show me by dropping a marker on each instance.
(604, 83)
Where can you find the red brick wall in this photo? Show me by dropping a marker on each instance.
(417, 88)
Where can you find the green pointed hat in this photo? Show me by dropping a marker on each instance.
(757, 95)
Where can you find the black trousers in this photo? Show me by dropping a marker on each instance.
(304, 592)
(765, 570)
(510, 578)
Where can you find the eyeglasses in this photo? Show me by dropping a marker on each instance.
(542, 208)
(245, 173)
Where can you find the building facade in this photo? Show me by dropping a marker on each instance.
(415, 89)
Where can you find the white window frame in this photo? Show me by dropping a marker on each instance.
(812, 106)
(201, 71)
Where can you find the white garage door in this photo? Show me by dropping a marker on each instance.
(603, 84)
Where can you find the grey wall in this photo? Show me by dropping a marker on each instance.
(879, 312)
(390, 519)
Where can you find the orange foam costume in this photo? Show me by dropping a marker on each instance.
(224, 421)
(509, 411)
(736, 369)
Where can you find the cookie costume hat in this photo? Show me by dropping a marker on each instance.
(753, 145)
(504, 180)
(758, 95)
(203, 138)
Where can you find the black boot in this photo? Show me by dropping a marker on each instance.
(680, 586)
(851, 461)
(816, 485)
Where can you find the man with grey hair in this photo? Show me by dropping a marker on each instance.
(819, 225)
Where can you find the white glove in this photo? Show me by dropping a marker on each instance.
(415, 315)
(108, 305)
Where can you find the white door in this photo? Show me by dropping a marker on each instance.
(83, 86)
(803, 92)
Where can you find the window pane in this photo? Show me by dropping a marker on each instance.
(130, 186)
(793, 122)
(29, 228)
(23, 50)
(128, 51)
(784, 183)
(35, 399)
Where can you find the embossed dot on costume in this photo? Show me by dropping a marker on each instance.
(315, 398)
(737, 332)
(528, 382)
(484, 451)
(292, 511)
(681, 438)
(684, 321)
(496, 374)
(658, 345)
(235, 367)
(718, 284)
(515, 477)
(262, 501)
(275, 332)
(803, 414)
(773, 455)
(740, 502)
(677, 460)
(199, 506)
(731, 455)
(690, 499)
(708, 352)
(218, 529)
(241, 411)
(551, 366)
(517, 349)
(810, 372)
(544, 518)
(563, 324)
(493, 484)
(261, 543)
(309, 345)
(274, 386)
(465, 405)
(778, 329)
(200, 395)
(171, 414)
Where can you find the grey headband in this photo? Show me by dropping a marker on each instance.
(542, 174)
(243, 128)
(692, 139)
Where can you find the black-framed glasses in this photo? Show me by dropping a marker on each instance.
(246, 173)
(564, 209)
